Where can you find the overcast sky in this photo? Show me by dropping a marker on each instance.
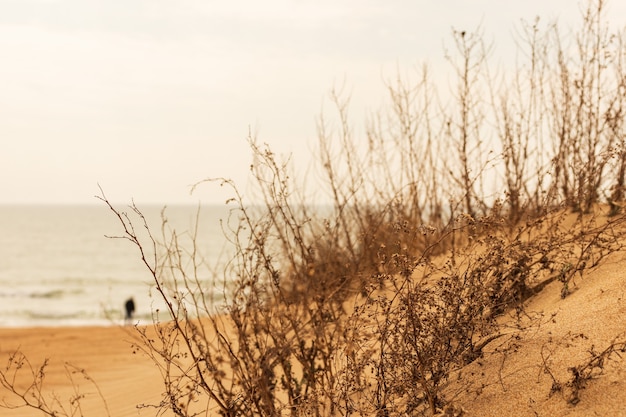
(146, 97)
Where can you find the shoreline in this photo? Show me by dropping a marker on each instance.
(85, 325)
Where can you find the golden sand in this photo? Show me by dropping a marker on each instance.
(511, 380)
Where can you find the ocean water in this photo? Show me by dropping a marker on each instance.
(58, 268)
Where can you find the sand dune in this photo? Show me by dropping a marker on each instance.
(510, 380)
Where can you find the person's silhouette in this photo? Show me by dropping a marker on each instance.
(130, 309)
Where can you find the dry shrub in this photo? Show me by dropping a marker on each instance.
(581, 374)
(307, 330)
(24, 382)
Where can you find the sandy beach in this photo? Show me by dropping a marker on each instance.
(512, 379)
(125, 379)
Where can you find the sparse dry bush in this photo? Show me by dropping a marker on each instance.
(592, 367)
(24, 382)
(580, 375)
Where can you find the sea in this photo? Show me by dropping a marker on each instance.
(66, 265)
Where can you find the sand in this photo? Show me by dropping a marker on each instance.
(512, 379)
(125, 379)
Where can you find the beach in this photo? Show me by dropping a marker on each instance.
(124, 379)
(511, 379)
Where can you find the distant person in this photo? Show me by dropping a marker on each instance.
(130, 309)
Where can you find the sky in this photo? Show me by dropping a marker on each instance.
(146, 97)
